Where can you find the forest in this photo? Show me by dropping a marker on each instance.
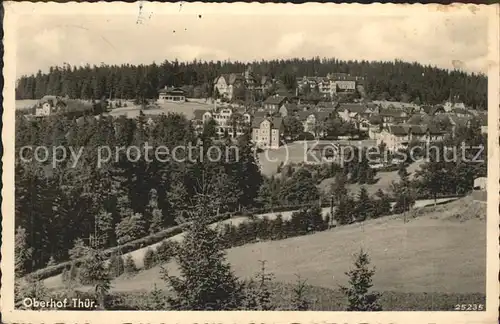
(392, 80)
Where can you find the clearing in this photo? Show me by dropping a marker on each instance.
(186, 108)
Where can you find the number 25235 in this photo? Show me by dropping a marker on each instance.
(469, 307)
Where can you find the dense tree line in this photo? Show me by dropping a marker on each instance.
(126, 198)
(395, 80)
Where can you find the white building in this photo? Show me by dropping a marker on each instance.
(171, 95)
(226, 120)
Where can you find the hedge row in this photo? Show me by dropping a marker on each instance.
(303, 222)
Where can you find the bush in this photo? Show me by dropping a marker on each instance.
(149, 259)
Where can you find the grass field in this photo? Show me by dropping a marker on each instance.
(441, 249)
(186, 108)
(325, 299)
(28, 103)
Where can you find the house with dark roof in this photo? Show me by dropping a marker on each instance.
(228, 120)
(289, 109)
(274, 103)
(458, 122)
(197, 120)
(226, 84)
(348, 111)
(265, 83)
(267, 132)
(436, 110)
(49, 105)
(393, 116)
(398, 136)
(312, 120)
(461, 112)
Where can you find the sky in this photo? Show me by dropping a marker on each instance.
(80, 35)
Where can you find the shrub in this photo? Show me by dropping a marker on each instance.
(149, 259)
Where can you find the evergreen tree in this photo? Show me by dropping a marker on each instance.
(338, 188)
(22, 252)
(79, 250)
(105, 227)
(156, 300)
(51, 261)
(382, 204)
(93, 271)
(116, 265)
(206, 282)
(130, 266)
(360, 281)
(130, 228)
(154, 214)
(403, 192)
(258, 294)
(364, 206)
(149, 259)
(178, 199)
(344, 211)
(299, 300)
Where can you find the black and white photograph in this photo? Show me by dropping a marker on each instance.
(250, 157)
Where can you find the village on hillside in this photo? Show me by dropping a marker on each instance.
(332, 107)
(138, 218)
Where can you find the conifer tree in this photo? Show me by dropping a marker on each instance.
(344, 212)
(130, 228)
(364, 205)
(22, 252)
(116, 265)
(338, 188)
(130, 266)
(93, 271)
(156, 300)
(360, 281)
(299, 300)
(382, 204)
(258, 293)
(149, 259)
(207, 281)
